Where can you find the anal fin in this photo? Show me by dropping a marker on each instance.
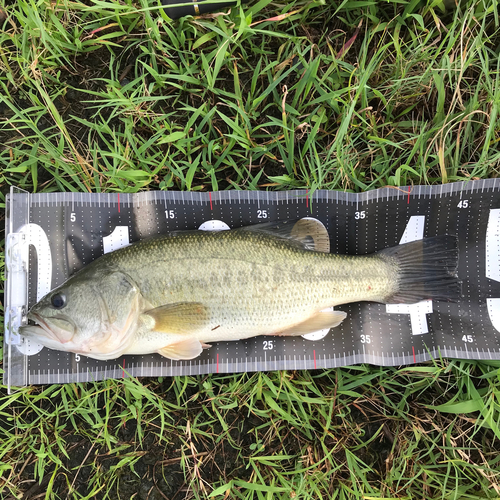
(320, 321)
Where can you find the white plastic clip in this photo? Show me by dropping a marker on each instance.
(17, 289)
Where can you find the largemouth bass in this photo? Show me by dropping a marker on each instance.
(175, 294)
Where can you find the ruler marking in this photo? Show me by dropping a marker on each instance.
(91, 200)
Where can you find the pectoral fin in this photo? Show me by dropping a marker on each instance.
(180, 318)
(187, 349)
(320, 321)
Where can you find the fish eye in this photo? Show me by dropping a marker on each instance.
(58, 300)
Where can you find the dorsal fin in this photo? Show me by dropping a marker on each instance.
(309, 233)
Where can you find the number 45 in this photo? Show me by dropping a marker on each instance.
(468, 338)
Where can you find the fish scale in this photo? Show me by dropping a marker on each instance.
(271, 278)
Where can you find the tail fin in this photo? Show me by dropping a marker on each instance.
(427, 269)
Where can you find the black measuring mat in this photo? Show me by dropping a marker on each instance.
(80, 227)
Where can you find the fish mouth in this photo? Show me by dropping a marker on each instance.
(51, 331)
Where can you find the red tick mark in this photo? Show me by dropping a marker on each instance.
(118, 202)
(210, 196)
(123, 368)
(414, 358)
(408, 195)
(307, 198)
(314, 354)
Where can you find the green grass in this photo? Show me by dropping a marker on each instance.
(109, 95)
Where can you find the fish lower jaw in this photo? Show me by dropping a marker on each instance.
(40, 337)
(43, 336)
(33, 332)
(100, 352)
